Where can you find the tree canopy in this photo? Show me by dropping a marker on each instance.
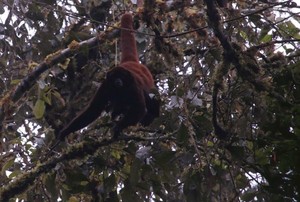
(227, 74)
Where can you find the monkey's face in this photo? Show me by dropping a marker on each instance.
(120, 78)
(121, 86)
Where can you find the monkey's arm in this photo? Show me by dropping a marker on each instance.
(152, 105)
(90, 113)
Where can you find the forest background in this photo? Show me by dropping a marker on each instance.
(228, 76)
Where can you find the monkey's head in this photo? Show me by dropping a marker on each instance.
(120, 78)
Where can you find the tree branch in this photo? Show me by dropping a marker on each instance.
(49, 62)
(80, 150)
(231, 55)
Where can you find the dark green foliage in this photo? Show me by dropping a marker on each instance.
(243, 53)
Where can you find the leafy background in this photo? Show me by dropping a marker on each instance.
(242, 146)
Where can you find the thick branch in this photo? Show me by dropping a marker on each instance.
(21, 183)
(80, 150)
(232, 56)
(52, 60)
(29, 81)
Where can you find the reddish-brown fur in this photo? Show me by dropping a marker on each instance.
(129, 60)
(128, 44)
(125, 91)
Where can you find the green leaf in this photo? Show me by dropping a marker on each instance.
(264, 34)
(15, 81)
(261, 157)
(289, 29)
(14, 174)
(39, 109)
(7, 165)
(116, 154)
(210, 144)
(50, 185)
(266, 38)
(244, 35)
(84, 183)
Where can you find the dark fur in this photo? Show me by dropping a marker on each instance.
(124, 92)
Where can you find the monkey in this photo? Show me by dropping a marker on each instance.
(125, 92)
